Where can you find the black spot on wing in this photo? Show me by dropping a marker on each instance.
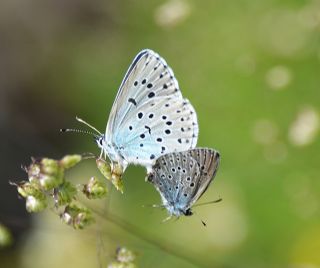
(133, 101)
(151, 95)
(149, 129)
(140, 115)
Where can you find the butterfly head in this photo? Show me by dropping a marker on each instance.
(188, 212)
(104, 146)
(100, 140)
(176, 210)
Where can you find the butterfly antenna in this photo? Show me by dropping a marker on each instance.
(203, 222)
(87, 124)
(153, 206)
(167, 219)
(210, 202)
(77, 131)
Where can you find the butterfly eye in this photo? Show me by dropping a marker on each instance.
(188, 212)
(100, 142)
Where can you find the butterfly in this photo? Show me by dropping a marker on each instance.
(149, 116)
(182, 178)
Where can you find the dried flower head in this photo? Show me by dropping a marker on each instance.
(77, 216)
(114, 176)
(95, 189)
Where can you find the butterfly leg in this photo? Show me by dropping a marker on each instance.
(166, 219)
(157, 206)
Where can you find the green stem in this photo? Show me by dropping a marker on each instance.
(164, 246)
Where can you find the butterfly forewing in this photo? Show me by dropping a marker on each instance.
(208, 160)
(148, 73)
(149, 117)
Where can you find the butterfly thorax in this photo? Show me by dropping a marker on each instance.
(112, 151)
(177, 210)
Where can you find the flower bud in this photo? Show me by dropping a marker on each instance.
(124, 259)
(49, 182)
(125, 255)
(117, 182)
(49, 166)
(66, 218)
(116, 264)
(36, 204)
(104, 168)
(82, 220)
(114, 176)
(46, 172)
(36, 199)
(70, 160)
(95, 189)
(34, 172)
(76, 216)
(117, 169)
(5, 236)
(25, 189)
(64, 194)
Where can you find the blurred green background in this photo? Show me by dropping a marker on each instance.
(252, 71)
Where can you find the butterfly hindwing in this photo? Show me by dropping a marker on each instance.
(172, 175)
(181, 178)
(208, 160)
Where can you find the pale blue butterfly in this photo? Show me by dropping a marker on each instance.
(149, 117)
(181, 178)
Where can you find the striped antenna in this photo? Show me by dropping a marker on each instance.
(207, 203)
(87, 124)
(77, 131)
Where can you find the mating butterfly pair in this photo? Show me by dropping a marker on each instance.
(152, 125)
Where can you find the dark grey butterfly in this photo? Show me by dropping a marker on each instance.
(182, 177)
